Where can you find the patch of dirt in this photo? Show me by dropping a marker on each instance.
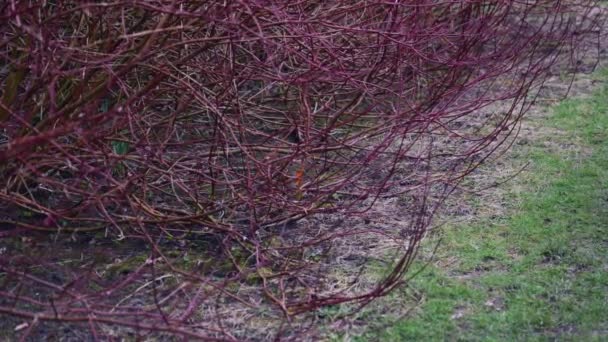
(560, 331)
(495, 303)
(460, 312)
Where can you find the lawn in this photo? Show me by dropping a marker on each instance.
(538, 271)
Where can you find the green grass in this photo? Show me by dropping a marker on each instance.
(540, 272)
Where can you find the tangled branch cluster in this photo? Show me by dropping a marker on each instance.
(195, 133)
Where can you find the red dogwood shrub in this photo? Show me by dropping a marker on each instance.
(155, 156)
